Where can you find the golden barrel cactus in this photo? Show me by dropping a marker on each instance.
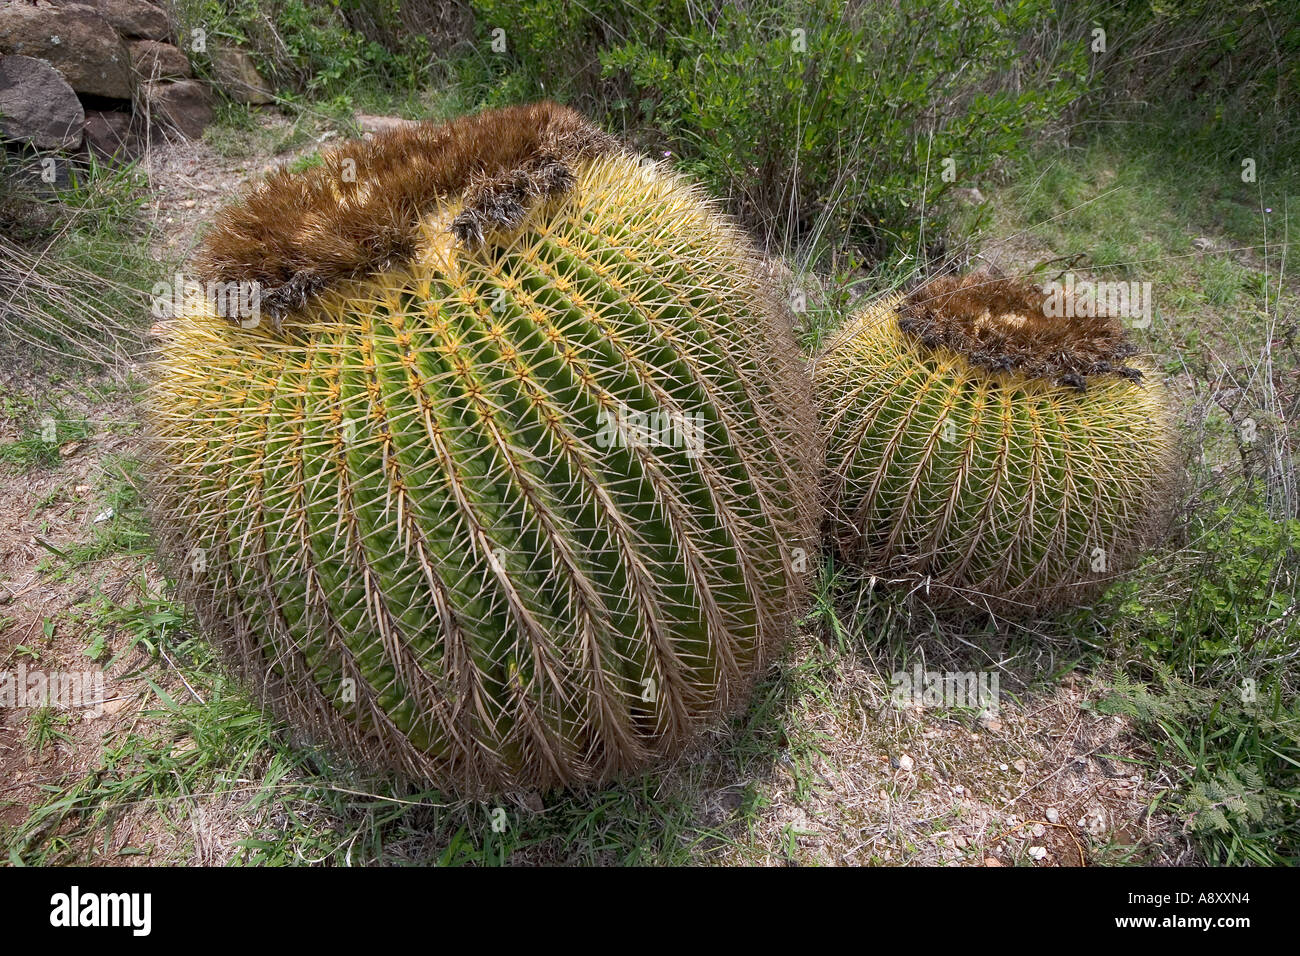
(990, 450)
(511, 486)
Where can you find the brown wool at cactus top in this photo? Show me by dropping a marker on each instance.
(360, 211)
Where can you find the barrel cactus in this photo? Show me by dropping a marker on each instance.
(988, 449)
(510, 485)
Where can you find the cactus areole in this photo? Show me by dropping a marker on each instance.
(985, 446)
(511, 483)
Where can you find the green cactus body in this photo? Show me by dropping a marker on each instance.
(998, 487)
(521, 515)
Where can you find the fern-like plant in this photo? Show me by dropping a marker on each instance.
(989, 450)
(512, 487)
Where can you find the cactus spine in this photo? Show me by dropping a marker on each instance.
(519, 513)
(1001, 457)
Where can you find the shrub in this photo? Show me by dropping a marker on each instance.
(828, 122)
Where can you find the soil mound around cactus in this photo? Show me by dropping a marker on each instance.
(1006, 325)
(297, 234)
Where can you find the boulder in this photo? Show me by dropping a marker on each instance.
(153, 60)
(110, 135)
(135, 18)
(37, 106)
(76, 41)
(180, 106)
(237, 76)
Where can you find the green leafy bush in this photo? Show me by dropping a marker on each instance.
(1232, 593)
(828, 121)
(309, 48)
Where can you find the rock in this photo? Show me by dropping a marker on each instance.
(135, 18)
(76, 41)
(109, 134)
(992, 861)
(905, 763)
(1037, 853)
(1203, 244)
(238, 77)
(152, 60)
(37, 106)
(182, 106)
(1053, 815)
(972, 196)
(381, 124)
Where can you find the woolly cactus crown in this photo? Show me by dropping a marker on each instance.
(519, 492)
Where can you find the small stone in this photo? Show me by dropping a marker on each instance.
(1053, 815)
(1202, 244)
(1037, 853)
(1003, 766)
(1038, 829)
(1020, 765)
(905, 763)
(992, 861)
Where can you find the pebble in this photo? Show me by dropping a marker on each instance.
(905, 763)
(1037, 853)
(1053, 815)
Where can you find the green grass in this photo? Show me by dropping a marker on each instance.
(38, 446)
(43, 729)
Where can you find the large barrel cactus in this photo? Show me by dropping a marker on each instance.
(510, 487)
(988, 449)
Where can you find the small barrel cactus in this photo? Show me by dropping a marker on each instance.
(513, 484)
(983, 446)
